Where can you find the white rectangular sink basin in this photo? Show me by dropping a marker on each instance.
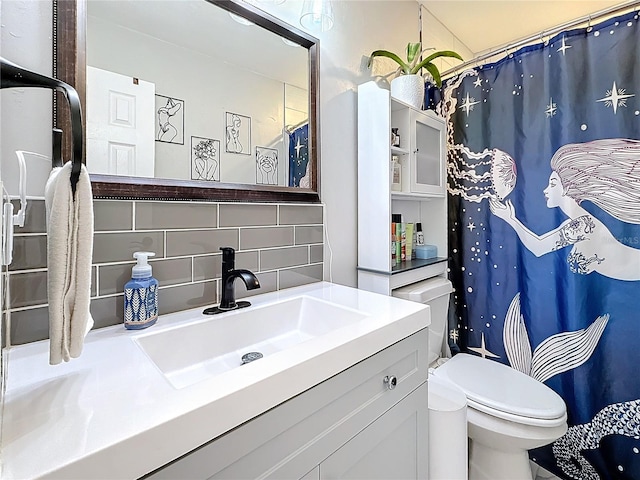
(188, 354)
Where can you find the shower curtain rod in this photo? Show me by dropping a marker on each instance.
(545, 33)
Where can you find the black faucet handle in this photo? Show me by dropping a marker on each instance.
(228, 257)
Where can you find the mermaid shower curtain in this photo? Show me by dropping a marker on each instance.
(544, 191)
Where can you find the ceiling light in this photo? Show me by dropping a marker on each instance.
(291, 43)
(317, 15)
(240, 20)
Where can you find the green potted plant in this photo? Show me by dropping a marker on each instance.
(408, 85)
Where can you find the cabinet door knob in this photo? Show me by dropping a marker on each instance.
(390, 381)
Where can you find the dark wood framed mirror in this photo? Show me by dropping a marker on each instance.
(70, 65)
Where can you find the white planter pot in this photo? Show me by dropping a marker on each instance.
(408, 89)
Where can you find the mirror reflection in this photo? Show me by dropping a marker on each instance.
(182, 90)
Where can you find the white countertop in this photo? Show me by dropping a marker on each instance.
(112, 414)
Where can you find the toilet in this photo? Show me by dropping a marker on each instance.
(508, 412)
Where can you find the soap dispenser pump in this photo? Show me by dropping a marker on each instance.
(141, 295)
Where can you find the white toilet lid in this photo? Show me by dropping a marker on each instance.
(500, 388)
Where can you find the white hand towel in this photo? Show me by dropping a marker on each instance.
(69, 254)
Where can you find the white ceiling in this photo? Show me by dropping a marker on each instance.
(482, 24)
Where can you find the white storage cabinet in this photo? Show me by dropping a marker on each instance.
(422, 155)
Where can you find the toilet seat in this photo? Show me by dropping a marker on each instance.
(501, 391)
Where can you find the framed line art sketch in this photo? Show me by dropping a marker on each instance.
(238, 133)
(266, 166)
(169, 120)
(205, 159)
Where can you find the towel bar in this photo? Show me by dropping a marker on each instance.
(14, 76)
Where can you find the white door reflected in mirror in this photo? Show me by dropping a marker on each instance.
(120, 124)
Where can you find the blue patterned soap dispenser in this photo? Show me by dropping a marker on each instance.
(141, 295)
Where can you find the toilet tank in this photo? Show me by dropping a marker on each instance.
(435, 293)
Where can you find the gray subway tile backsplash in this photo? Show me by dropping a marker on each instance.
(199, 242)
(266, 237)
(283, 257)
(107, 311)
(112, 215)
(29, 251)
(300, 276)
(207, 267)
(312, 234)
(28, 289)
(29, 325)
(35, 217)
(278, 242)
(188, 296)
(175, 215)
(94, 284)
(248, 260)
(119, 247)
(300, 214)
(240, 215)
(113, 277)
(315, 253)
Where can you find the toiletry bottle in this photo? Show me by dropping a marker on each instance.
(409, 241)
(419, 234)
(396, 174)
(141, 295)
(395, 137)
(414, 242)
(396, 218)
(393, 242)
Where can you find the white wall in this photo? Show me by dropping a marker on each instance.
(436, 35)
(26, 113)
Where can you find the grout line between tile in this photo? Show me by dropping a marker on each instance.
(27, 270)
(97, 279)
(184, 284)
(27, 307)
(30, 234)
(164, 244)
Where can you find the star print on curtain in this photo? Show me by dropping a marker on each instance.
(298, 156)
(544, 232)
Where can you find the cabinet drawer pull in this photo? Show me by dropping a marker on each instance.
(390, 381)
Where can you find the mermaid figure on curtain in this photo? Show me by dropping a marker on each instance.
(605, 172)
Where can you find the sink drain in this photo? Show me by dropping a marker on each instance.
(250, 357)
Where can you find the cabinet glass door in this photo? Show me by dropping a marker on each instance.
(427, 162)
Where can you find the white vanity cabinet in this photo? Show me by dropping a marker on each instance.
(392, 447)
(352, 425)
(421, 198)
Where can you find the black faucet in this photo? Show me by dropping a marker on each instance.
(229, 275)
